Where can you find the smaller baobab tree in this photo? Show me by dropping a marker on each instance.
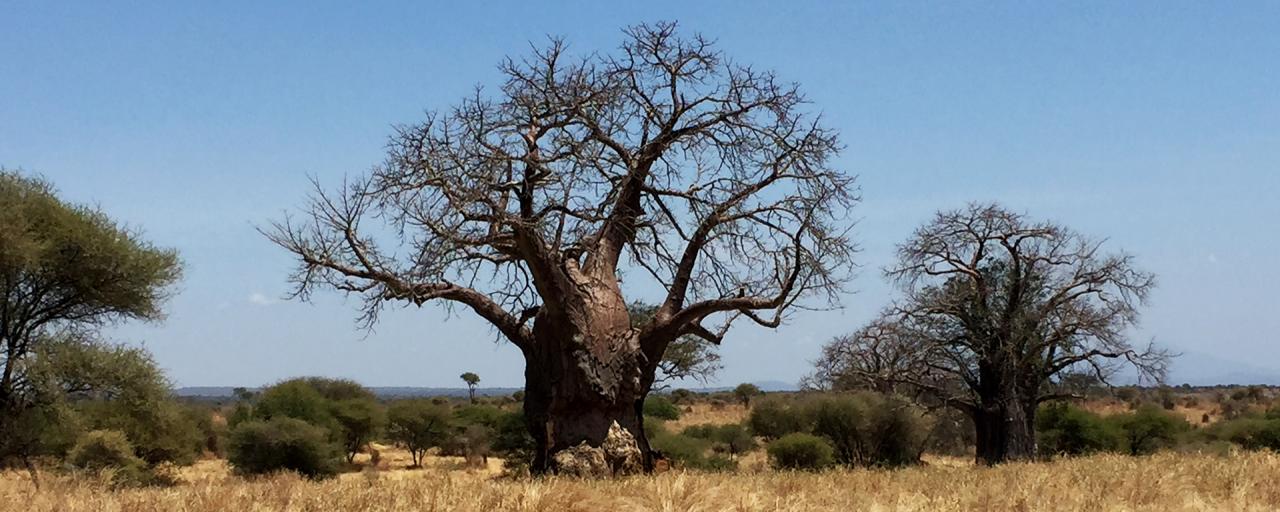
(997, 309)
(472, 380)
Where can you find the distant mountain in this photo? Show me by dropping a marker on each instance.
(1201, 369)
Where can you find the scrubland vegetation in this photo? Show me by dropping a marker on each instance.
(984, 386)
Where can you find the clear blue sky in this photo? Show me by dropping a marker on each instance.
(1155, 124)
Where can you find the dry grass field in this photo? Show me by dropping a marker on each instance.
(1164, 482)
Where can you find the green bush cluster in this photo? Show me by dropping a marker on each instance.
(282, 444)
(863, 429)
(660, 407)
(1064, 429)
(801, 451)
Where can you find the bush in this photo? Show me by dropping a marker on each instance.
(733, 439)
(101, 449)
(1149, 429)
(1249, 433)
(297, 399)
(513, 442)
(868, 429)
(774, 418)
(683, 451)
(800, 451)
(483, 415)
(658, 406)
(1063, 429)
(279, 444)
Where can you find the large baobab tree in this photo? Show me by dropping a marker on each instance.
(663, 162)
(997, 310)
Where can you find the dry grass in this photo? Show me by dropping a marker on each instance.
(1249, 481)
(703, 413)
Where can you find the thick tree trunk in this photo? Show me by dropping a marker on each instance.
(577, 388)
(1005, 431)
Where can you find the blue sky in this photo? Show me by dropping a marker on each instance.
(1154, 124)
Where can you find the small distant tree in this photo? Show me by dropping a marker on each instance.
(472, 380)
(64, 267)
(745, 391)
(418, 425)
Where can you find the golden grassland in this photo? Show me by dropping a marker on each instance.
(1163, 482)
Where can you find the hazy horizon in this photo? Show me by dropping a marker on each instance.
(1155, 125)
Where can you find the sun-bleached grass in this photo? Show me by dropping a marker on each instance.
(1164, 482)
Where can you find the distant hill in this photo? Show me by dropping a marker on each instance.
(412, 391)
(1201, 369)
(380, 391)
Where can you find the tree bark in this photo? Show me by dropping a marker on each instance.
(1005, 430)
(577, 386)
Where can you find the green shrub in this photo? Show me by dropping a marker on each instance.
(297, 399)
(774, 418)
(484, 415)
(898, 432)
(282, 443)
(1064, 429)
(683, 451)
(869, 429)
(800, 451)
(513, 442)
(1250, 433)
(1149, 429)
(101, 449)
(159, 428)
(658, 406)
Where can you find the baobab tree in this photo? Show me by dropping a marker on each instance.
(997, 309)
(472, 380)
(663, 162)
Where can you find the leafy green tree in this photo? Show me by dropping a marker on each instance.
(745, 391)
(418, 425)
(472, 380)
(64, 267)
(359, 419)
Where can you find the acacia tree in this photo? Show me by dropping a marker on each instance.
(686, 357)
(472, 380)
(524, 208)
(997, 308)
(64, 268)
